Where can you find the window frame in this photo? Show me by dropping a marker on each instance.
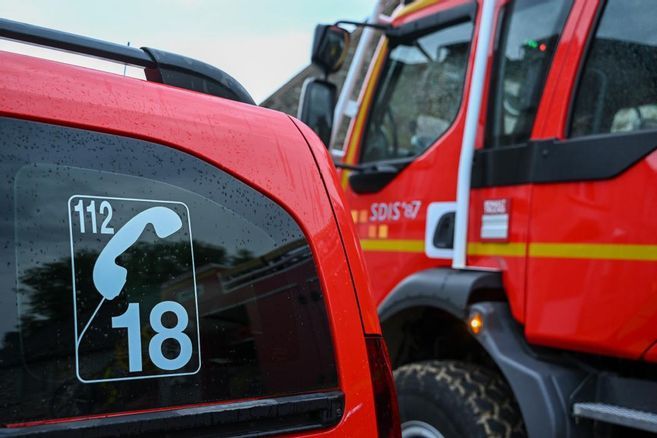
(455, 16)
(495, 81)
(583, 62)
(561, 159)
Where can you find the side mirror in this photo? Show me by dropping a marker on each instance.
(329, 47)
(316, 107)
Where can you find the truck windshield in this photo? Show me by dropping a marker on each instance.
(419, 93)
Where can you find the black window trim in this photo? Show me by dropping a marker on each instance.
(595, 157)
(271, 415)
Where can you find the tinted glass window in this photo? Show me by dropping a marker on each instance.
(419, 93)
(618, 88)
(318, 104)
(134, 276)
(528, 38)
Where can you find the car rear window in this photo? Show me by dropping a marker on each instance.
(137, 277)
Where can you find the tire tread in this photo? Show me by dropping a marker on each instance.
(483, 393)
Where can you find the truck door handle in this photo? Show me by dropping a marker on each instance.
(443, 237)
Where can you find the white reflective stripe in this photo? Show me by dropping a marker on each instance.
(470, 133)
(494, 226)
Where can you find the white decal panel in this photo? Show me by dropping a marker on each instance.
(495, 220)
(120, 310)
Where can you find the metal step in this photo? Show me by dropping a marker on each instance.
(617, 415)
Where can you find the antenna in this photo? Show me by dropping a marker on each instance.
(125, 66)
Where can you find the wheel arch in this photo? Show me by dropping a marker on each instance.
(449, 290)
(424, 315)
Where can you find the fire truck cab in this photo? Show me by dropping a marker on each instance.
(499, 171)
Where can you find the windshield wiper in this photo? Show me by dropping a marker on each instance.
(418, 46)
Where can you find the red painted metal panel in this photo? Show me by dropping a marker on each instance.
(602, 306)
(346, 224)
(244, 140)
(597, 305)
(510, 257)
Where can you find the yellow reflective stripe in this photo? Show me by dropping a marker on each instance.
(392, 245)
(413, 7)
(511, 249)
(474, 248)
(356, 134)
(594, 251)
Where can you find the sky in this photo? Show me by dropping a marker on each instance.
(262, 43)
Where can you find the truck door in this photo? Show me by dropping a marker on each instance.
(524, 47)
(408, 137)
(592, 277)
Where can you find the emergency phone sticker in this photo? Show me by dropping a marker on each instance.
(129, 324)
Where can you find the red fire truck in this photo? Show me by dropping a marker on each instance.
(500, 170)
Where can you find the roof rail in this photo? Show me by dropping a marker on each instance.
(160, 66)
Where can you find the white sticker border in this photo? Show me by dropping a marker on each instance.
(75, 310)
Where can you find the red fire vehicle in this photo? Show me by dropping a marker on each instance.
(175, 260)
(501, 171)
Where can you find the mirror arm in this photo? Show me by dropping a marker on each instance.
(356, 168)
(374, 167)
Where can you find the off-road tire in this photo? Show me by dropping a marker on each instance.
(458, 399)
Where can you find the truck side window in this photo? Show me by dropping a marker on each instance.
(618, 86)
(528, 38)
(419, 93)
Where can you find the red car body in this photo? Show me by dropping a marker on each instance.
(266, 150)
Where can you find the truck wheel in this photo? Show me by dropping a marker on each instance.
(455, 399)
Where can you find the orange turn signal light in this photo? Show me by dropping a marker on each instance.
(476, 323)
